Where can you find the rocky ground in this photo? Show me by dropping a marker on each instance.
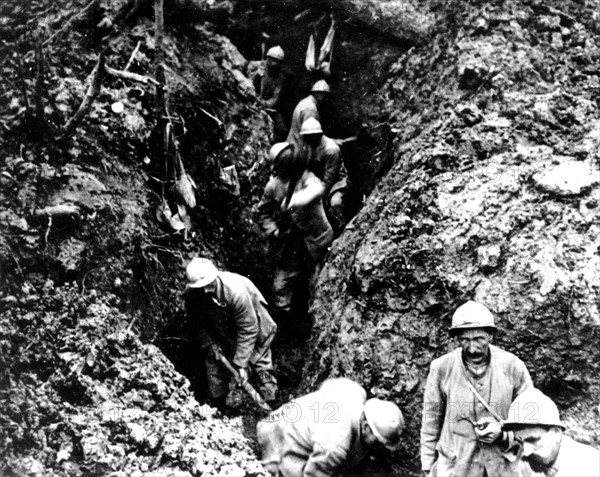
(494, 197)
(489, 113)
(87, 268)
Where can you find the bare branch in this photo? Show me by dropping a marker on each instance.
(129, 76)
(69, 23)
(132, 57)
(39, 81)
(92, 91)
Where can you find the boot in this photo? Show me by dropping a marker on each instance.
(267, 386)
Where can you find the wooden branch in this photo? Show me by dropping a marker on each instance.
(129, 76)
(92, 91)
(22, 83)
(39, 81)
(132, 57)
(69, 23)
(63, 213)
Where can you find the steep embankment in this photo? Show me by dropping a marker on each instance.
(494, 197)
(86, 267)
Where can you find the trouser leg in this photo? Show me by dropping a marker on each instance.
(267, 383)
(337, 210)
(217, 380)
(284, 285)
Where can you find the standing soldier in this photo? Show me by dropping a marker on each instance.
(307, 108)
(291, 214)
(270, 86)
(327, 431)
(540, 442)
(468, 392)
(324, 158)
(233, 321)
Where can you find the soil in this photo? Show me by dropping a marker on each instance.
(493, 197)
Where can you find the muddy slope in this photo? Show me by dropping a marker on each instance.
(494, 197)
(80, 392)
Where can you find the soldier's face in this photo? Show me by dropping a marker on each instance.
(367, 435)
(539, 446)
(475, 344)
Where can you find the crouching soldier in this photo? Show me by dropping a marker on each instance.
(233, 321)
(327, 431)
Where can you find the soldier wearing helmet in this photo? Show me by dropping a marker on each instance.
(291, 214)
(307, 108)
(538, 433)
(270, 84)
(468, 393)
(231, 318)
(324, 158)
(328, 431)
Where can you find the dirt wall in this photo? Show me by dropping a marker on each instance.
(493, 197)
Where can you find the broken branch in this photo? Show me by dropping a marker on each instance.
(129, 75)
(71, 21)
(39, 81)
(132, 57)
(92, 91)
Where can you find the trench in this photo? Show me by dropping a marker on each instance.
(360, 65)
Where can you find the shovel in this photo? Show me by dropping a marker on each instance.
(254, 394)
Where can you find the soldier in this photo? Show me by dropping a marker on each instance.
(468, 393)
(307, 108)
(324, 158)
(291, 213)
(270, 85)
(233, 321)
(327, 431)
(537, 430)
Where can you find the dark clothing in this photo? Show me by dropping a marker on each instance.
(237, 320)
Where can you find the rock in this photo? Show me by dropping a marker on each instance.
(569, 178)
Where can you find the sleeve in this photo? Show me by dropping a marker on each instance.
(332, 168)
(267, 209)
(434, 406)
(274, 100)
(312, 190)
(324, 461)
(246, 322)
(522, 379)
(198, 332)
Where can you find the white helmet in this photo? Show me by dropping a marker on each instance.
(277, 149)
(200, 272)
(276, 52)
(386, 422)
(472, 315)
(311, 126)
(532, 408)
(320, 86)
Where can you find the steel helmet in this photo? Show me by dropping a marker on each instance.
(200, 272)
(532, 408)
(311, 126)
(276, 52)
(386, 422)
(320, 86)
(472, 315)
(277, 149)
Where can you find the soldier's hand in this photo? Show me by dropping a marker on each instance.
(242, 376)
(214, 350)
(488, 430)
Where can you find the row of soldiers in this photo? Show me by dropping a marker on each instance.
(481, 417)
